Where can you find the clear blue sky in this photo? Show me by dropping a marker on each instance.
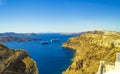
(59, 15)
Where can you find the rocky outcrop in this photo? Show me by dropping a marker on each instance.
(91, 48)
(16, 62)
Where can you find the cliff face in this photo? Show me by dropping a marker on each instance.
(16, 62)
(92, 47)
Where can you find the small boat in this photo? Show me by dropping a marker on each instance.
(44, 42)
(55, 40)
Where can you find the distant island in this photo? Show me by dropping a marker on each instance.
(21, 37)
(91, 48)
(12, 34)
(17, 39)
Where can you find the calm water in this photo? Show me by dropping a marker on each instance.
(51, 58)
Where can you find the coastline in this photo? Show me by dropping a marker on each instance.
(61, 58)
(71, 60)
(92, 47)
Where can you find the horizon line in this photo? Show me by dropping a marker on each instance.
(60, 32)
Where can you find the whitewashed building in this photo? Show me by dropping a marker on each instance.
(109, 67)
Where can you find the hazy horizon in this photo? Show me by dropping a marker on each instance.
(60, 32)
(66, 16)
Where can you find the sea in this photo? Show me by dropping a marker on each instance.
(51, 58)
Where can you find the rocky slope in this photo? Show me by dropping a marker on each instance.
(16, 62)
(91, 48)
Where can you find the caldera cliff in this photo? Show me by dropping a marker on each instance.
(16, 62)
(91, 48)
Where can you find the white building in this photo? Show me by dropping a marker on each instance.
(110, 68)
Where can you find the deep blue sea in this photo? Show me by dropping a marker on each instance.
(50, 58)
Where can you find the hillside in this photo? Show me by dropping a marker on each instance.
(91, 48)
(16, 62)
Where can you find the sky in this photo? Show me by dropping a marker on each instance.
(23, 16)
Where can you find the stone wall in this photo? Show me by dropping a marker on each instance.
(105, 67)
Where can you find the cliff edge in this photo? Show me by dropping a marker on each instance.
(16, 62)
(91, 48)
